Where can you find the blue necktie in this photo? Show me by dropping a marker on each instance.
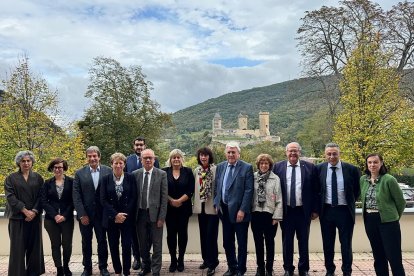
(293, 187)
(334, 187)
(227, 184)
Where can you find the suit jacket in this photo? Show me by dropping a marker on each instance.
(85, 199)
(158, 193)
(240, 190)
(132, 163)
(110, 202)
(310, 186)
(185, 185)
(51, 203)
(351, 185)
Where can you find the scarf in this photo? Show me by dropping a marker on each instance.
(205, 178)
(261, 191)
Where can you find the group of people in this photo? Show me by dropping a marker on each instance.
(130, 202)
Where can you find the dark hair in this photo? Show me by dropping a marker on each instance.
(206, 151)
(383, 170)
(57, 161)
(139, 138)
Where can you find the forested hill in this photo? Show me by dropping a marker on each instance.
(289, 104)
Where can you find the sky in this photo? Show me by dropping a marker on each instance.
(190, 50)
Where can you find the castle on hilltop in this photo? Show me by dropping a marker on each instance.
(242, 133)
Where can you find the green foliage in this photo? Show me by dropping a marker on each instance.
(250, 153)
(121, 108)
(27, 122)
(375, 116)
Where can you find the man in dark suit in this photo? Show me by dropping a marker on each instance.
(339, 190)
(133, 163)
(152, 203)
(300, 193)
(233, 200)
(86, 199)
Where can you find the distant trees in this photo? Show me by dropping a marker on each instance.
(121, 108)
(28, 114)
(374, 117)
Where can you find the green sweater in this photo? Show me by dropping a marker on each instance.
(389, 196)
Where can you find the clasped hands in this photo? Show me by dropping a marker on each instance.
(120, 217)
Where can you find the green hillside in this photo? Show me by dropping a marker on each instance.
(289, 104)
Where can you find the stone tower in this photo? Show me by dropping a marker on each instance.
(264, 123)
(216, 122)
(242, 121)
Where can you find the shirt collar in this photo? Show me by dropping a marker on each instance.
(150, 171)
(290, 165)
(338, 165)
(97, 169)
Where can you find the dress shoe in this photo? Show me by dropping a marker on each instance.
(173, 267)
(239, 274)
(330, 274)
(59, 271)
(203, 266)
(260, 271)
(67, 271)
(303, 273)
(346, 274)
(136, 264)
(86, 272)
(180, 266)
(269, 273)
(230, 272)
(144, 272)
(211, 271)
(105, 272)
(288, 273)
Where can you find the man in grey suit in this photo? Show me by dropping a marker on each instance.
(151, 211)
(86, 192)
(339, 190)
(233, 200)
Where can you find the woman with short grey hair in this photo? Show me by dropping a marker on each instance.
(23, 210)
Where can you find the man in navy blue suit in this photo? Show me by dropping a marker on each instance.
(300, 193)
(134, 163)
(233, 200)
(339, 190)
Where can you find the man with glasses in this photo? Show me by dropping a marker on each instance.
(339, 183)
(151, 212)
(133, 163)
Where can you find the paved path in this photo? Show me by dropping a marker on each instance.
(363, 265)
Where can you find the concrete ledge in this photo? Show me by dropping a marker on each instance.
(360, 240)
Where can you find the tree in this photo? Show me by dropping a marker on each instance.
(374, 116)
(121, 108)
(28, 112)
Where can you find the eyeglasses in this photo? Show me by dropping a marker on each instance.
(147, 158)
(57, 168)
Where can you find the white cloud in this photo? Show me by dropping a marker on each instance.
(173, 41)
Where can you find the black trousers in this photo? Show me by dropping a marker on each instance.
(26, 249)
(264, 232)
(135, 244)
(208, 225)
(293, 223)
(339, 218)
(87, 235)
(123, 231)
(61, 235)
(177, 226)
(385, 239)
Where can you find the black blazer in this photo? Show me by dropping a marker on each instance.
(85, 198)
(351, 184)
(185, 186)
(110, 202)
(310, 186)
(52, 204)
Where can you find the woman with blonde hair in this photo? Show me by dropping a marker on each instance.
(180, 191)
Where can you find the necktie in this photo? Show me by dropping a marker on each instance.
(293, 188)
(145, 192)
(228, 182)
(334, 187)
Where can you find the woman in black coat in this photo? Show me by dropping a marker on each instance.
(118, 198)
(180, 192)
(56, 196)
